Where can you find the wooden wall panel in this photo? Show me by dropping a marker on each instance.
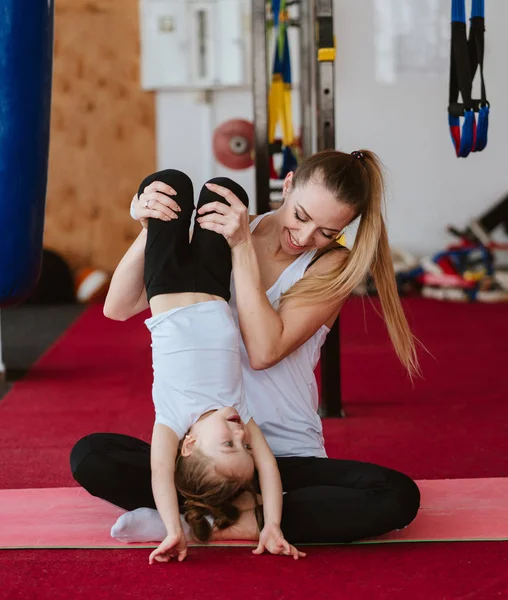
(102, 131)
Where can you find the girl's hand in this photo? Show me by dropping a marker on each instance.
(155, 203)
(230, 221)
(174, 545)
(272, 539)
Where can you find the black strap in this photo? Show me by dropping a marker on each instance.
(318, 256)
(476, 52)
(465, 57)
(460, 70)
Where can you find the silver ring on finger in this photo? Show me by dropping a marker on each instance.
(146, 203)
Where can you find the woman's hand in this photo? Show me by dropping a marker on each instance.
(156, 203)
(230, 221)
(174, 545)
(272, 539)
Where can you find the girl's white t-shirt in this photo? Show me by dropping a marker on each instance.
(196, 364)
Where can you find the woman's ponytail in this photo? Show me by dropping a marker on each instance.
(357, 180)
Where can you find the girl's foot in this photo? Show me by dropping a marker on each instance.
(140, 525)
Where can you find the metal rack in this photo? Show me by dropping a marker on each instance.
(317, 105)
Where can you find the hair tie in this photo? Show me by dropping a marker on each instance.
(359, 155)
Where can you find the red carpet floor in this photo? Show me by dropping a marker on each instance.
(451, 424)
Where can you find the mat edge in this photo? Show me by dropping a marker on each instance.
(249, 545)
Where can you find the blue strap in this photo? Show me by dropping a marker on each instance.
(289, 162)
(459, 11)
(286, 59)
(467, 137)
(478, 9)
(277, 63)
(276, 12)
(482, 128)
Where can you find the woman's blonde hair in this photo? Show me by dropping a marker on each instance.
(357, 180)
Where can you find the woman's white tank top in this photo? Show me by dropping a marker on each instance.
(283, 399)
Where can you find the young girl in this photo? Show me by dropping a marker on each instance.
(204, 445)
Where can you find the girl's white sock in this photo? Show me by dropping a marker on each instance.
(141, 525)
(144, 525)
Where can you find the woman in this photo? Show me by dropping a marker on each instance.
(290, 280)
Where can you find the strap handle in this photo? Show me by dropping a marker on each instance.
(476, 56)
(466, 56)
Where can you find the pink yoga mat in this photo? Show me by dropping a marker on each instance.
(452, 510)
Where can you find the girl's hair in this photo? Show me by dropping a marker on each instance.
(207, 492)
(357, 180)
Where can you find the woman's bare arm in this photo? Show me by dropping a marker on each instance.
(271, 335)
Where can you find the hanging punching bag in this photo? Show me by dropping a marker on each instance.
(26, 56)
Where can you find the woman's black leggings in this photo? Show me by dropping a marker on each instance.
(326, 500)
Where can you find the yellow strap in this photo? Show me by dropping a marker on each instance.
(275, 106)
(287, 123)
(474, 275)
(280, 112)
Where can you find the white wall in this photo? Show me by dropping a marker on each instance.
(404, 122)
(185, 123)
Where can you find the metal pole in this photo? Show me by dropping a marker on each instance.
(306, 76)
(331, 394)
(260, 99)
(325, 75)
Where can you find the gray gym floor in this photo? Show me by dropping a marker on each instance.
(27, 332)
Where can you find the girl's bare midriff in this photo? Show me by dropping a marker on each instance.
(165, 302)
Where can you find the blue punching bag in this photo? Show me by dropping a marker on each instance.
(26, 59)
